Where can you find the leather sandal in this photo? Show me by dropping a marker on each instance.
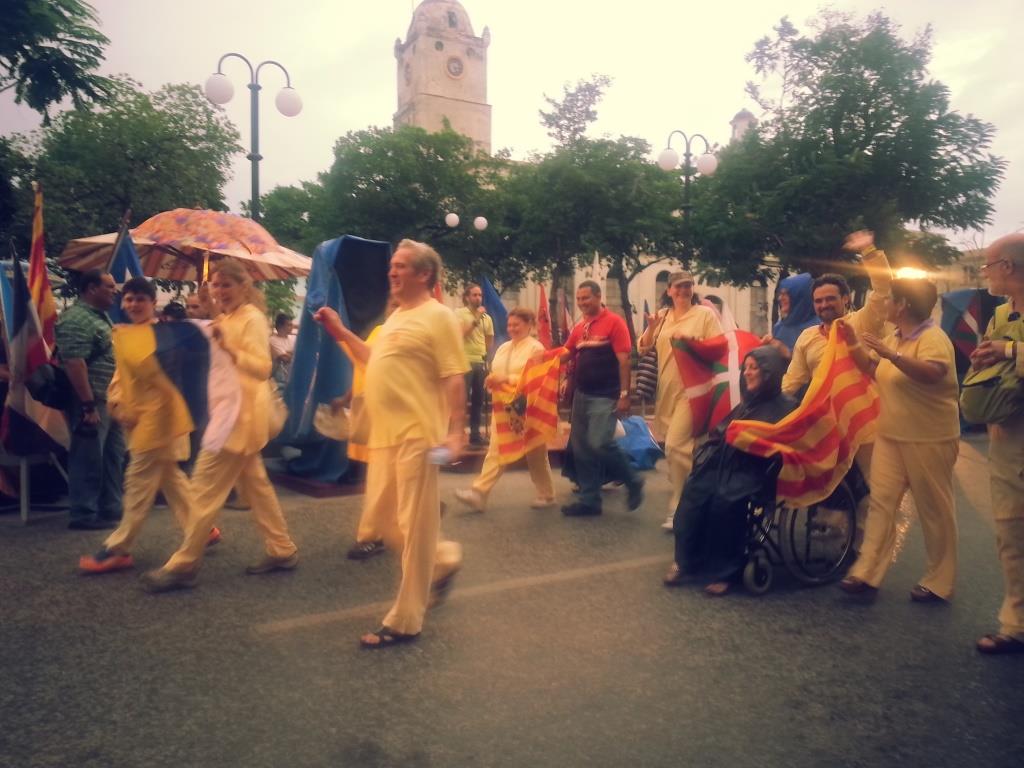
(998, 644)
(384, 638)
(718, 589)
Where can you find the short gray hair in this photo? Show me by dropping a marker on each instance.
(424, 259)
(592, 285)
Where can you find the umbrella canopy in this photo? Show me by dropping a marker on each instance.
(173, 245)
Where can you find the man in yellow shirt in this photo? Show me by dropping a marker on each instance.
(831, 296)
(415, 399)
(1004, 269)
(478, 338)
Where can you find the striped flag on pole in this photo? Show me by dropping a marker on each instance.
(526, 415)
(819, 439)
(710, 370)
(38, 280)
(543, 320)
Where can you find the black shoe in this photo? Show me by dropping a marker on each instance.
(636, 495)
(580, 510)
(476, 441)
(364, 550)
(91, 524)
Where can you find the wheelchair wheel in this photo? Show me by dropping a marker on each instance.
(817, 541)
(758, 574)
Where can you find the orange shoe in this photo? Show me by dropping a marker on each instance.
(104, 561)
(214, 537)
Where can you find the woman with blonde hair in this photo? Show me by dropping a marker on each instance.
(684, 319)
(243, 332)
(510, 360)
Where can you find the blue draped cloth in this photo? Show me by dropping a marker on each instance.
(801, 309)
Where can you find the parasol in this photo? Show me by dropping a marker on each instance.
(175, 244)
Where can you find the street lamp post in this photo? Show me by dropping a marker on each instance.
(706, 165)
(219, 90)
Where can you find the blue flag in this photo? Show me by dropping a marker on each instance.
(124, 264)
(497, 311)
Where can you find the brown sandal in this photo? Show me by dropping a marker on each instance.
(717, 589)
(385, 637)
(998, 644)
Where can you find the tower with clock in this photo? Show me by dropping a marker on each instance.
(442, 72)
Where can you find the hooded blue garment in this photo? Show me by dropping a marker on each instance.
(801, 309)
(320, 371)
(124, 264)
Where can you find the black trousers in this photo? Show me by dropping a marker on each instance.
(475, 390)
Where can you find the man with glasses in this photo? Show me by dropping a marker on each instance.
(1004, 270)
(600, 348)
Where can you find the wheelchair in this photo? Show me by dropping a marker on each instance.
(815, 543)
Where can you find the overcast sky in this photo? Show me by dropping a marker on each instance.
(675, 65)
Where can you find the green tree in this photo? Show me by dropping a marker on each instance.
(571, 115)
(856, 135)
(49, 50)
(144, 152)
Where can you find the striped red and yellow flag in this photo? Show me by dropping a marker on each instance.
(817, 441)
(526, 415)
(38, 280)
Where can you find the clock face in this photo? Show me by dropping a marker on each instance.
(455, 67)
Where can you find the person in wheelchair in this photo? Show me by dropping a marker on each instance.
(710, 523)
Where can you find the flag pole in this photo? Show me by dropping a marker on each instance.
(122, 232)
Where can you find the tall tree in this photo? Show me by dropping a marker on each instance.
(857, 134)
(571, 115)
(49, 50)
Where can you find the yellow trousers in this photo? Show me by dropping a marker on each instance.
(148, 472)
(403, 503)
(926, 469)
(536, 461)
(214, 475)
(1006, 478)
(679, 445)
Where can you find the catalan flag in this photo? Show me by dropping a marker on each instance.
(526, 415)
(710, 370)
(38, 280)
(817, 441)
(163, 372)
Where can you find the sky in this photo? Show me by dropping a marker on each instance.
(675, 65)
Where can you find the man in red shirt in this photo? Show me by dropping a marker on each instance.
(599, 346)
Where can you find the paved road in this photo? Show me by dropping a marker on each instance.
(559, 647)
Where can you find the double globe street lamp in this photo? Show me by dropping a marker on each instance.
(452, 220)
(706, 165)
(219, 90)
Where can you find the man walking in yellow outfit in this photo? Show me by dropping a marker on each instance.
(415, 400)
(1004, 268)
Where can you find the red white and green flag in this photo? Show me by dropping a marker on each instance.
(710, 370)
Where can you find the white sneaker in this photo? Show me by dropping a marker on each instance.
(542, 502)
(470, 498)
(667, 525)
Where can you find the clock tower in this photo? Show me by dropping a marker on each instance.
(442, 72)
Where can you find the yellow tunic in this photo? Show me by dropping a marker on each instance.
(511, 357)
(247, 334)
(417, 348)
(698, 322)
(913, 411)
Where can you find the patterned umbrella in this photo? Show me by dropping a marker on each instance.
(174, 245)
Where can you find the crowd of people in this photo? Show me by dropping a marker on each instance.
(415, 372)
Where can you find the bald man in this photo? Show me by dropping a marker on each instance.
(1004, 270)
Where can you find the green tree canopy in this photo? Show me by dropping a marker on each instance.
(49, 50)
(575, 111)
(856, 135)
(140, 151)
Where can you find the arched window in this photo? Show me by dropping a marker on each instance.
(452, 20)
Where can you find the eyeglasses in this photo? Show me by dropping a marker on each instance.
(991, 264)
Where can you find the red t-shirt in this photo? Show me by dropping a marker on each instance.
(595, 344)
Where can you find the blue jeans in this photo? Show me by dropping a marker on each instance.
(594, 449)
(95, 467)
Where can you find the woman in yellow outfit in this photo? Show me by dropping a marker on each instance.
(917, 442)
(509, 361)
(243, 332)
(672, 418)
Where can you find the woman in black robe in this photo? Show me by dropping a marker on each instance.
(710, 524)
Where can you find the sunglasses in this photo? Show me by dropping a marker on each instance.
(985, 267)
